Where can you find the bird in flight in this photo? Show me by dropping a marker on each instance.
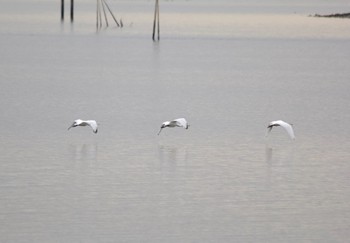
(180, 122)
(288, 127)
(91, 123)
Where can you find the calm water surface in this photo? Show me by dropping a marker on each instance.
(221, 180)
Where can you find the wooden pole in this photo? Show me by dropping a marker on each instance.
(111, 13)
(158, 17)
(71, 10)
(154, 20)
(97, 6)
(100, 13)
(104, 12)
(62, 10)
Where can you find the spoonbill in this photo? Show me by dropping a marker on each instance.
(288, 127)
(180, 122)
(79, 122)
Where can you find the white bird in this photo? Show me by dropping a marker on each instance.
(91, 123)
(288, 127)
(180, 122)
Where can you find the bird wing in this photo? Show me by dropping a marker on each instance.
(181, 122)
(171, 124)
(276, 123)
(93, 125)
(288, 128)
(269, 128)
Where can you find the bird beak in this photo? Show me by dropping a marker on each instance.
(70, 126)
(160, 131)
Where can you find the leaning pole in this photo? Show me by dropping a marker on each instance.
(156, 21)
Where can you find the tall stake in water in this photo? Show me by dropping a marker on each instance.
(100, 13)
(62, 10)
(156, 19)
(71, 10)
(104, 12)
(110, 11)
(97, 8)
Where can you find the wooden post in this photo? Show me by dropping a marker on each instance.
(154, 21)
(104, 12)
(71, 10)
(100, 13)
(110, 11)
(62, 10)
(97, 7)
(156, 16)
(101, 6)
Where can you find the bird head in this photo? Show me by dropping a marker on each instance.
(75, 124)
(164, 125)
(160, 129)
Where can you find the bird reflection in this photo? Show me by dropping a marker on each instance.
(281, 154)
(84, 152)
(268, 154)
(172, 154)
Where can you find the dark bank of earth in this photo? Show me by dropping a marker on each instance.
(342, 15)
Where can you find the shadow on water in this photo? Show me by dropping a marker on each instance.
(172, 155)
(84, 154)
(279, 153)
(279, 165)
(268, 154)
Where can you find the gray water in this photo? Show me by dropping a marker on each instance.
(221, 180)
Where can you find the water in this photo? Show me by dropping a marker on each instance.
(219, 181)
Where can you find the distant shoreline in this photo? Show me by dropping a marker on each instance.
(338, 15)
